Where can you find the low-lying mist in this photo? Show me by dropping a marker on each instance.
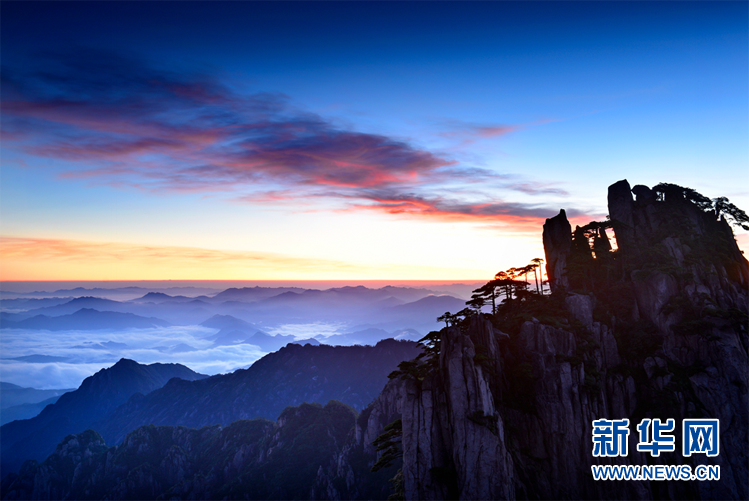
(52, 339)
(62, 359)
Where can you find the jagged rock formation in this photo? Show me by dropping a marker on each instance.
(557, 237)
(657, 328)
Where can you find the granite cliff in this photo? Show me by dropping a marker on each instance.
(655, 328)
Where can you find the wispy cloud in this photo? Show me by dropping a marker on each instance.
(121, 121)
(468, 131)
(453, 209)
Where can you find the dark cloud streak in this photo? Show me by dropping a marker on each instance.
(125, 122)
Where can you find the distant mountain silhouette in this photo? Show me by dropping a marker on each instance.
(226, 322)
(119, 292)
(12, 395)
(160, 297)
(386, 308)
(344, 297)
(33, 303)
(266, 342)
(252, 293)
(106, 345)
(295, 374)
(407, 335)
(370, 336)
(39, 359)
(420, 315)
(402, 294)
(87, 319)
(153, 296)
(180, 348)
(388, 302)
(187, 312)
(75, 305)
(430, 304)
(228, 337)
(75, 411)
(24, 411)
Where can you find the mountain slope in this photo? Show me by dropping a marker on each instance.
(226, 322)
(354, 375)
(267, 342)
(75, 411)
(255, 459)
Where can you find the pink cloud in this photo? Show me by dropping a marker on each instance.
(119, 121)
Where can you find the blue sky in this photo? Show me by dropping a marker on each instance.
(353, 140)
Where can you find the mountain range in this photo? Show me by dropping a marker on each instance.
(86, 319)
(248, 459)
(295, 374)
(387, 308)
(75, 411)
(119, 399)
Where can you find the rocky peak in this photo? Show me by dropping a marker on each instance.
(557, 237)
(656, 327)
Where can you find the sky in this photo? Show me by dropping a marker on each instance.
(349, 141)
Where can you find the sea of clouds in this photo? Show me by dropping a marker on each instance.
(63, 359)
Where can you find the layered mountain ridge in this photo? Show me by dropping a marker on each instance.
(75, 411)
(118, 400)
(354, 375)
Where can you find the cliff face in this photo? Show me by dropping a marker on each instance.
(655, 329)
(454, 438)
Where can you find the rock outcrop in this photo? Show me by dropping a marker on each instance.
(557, 236)
(655, 329)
